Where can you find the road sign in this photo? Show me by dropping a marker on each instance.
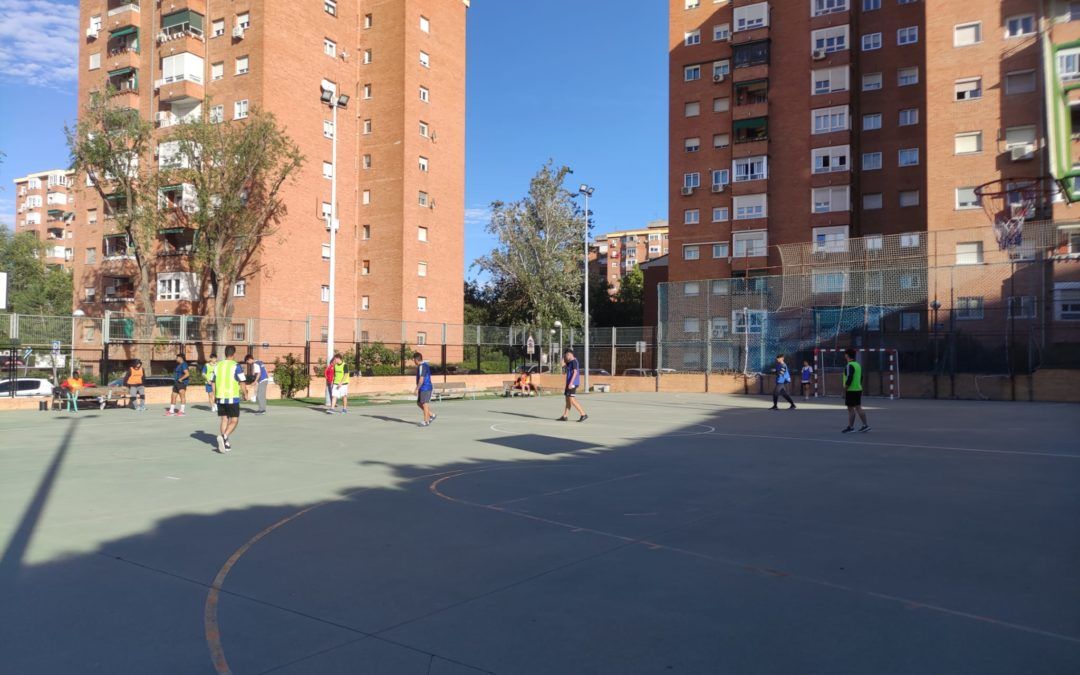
(56, 347)
(640, 347)
(530, 346)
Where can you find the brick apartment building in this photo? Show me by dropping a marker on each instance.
(616, 254)
(45, 206)
(829, 121)
(401, 148)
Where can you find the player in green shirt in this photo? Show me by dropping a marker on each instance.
(853, 392)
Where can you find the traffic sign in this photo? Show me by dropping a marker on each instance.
(56, 347)
(530, 346)
(641, 346)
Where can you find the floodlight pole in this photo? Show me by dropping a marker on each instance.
(587, 192)
(334, 101)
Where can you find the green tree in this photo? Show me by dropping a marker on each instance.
(291, 375)
(631, 298)
(238, 170)
(537, 263)
(33, 287)
(378, 359)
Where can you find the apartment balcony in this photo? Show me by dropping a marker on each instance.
(122, 14)
(751, 110)
(123, 59)
(180, 87)
(172, 6)
(178, 42)
(182, 30)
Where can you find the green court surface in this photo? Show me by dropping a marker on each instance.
(668, 533)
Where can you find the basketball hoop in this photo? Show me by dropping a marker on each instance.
(1010, 202)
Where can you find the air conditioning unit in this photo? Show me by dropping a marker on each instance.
(819, 54)
(238, 32)
(1023, 152)
(719, 188)
(431, 203)
(162, 37)
(92, 33)
(687, 191)
(718, 78)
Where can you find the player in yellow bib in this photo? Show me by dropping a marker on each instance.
(339, 385)
(853, 392)
(226, 378)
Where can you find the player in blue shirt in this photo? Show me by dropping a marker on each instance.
(262, 381)
(181, 377)
(807, 378)
(783, 378)
(423, 388)
(573, 381)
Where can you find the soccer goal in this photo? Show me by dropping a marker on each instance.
(880, 370)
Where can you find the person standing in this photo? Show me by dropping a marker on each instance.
(136, 386)
(807, 377)
(338, 379)
(853, 392)
(573, 381)
(262, 380)
(783, 378)
(328, 374)
(423, 388)
(181, 378)
(74, 385)
(226, 378)
(208, 368)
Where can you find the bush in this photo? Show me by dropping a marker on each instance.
(378, 359)
(291, 375)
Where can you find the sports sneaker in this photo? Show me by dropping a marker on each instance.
(791, 407)
(344, 411)
(433, 418)
(774, 408)
(169, 413)
(561, 419)
(425, 424)
(331, 411)
(228, 445)
(847, 430)
(221, 443)
(864, 428)
(583, 418)
(181, 413)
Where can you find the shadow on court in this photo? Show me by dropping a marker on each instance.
(525, 415)
(206, 438)
(680, 551)
(398, 420)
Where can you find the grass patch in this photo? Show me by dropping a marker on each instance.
(302, 402)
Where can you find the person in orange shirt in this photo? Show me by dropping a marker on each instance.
(73, 385)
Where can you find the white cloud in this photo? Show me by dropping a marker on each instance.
(477, 216)
(39, 43)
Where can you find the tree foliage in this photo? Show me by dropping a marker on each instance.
(33, 287)
(537, 264)
(291, 375)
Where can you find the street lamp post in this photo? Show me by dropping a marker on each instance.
(330, 98)
(587, 192)
(558, 324)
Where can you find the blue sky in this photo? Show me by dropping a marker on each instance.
(583, 83)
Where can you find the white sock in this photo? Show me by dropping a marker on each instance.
(172, 408)
(181, 407)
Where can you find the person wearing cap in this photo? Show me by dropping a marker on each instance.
(135, 383)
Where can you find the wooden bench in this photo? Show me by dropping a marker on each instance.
(444, 390)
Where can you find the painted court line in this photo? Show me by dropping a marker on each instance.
(569, 489)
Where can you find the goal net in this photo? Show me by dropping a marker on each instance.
(880, 371)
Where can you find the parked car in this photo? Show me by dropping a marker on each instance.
(534, 370)
(667, 371)
(639, 372)
(26, 386)
(598, 371)
(148, 381)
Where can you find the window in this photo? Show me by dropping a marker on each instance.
(750, 244)
(95, 23)
(421, 338)
(721, 140)
(217, 70)
(871, 82)
(823, 7)
(692, 144)
(367, 57)
(969, 253)
(95, 61)
(748, 321)
(1018, 137)
(91, 256)
(721, 287)
(1022, 307)
(217, 114)
(692, 326)
(421, 269)
(422, 163)
(324, 293)
(829, 80)
(91, 216)
(692, 109)
(422, 198)
(968, 89)
(217, 28)
(910, 240)
(425, 94)
(328, 128)
(827, 120)
(243, 20)
(969, 308)
(1067, 298)
(365, 232)
(721, 105)
(721, 69)
(720, 214)
(330, 7)
(691, 217)
(692, 38)
(366, 93)
(329, 47)
(326, 251)
(749, 17)
(910, 320)
(168, 287)
(367, 127)
(905, 77)
(871, 5)
(180, 67)
(721, 32)
(240, 289)
(327, 170)
(324, 211)
(908, 117)
(425, 59)
(365, 197)
(750, 168)
(967, 34)
(368, 21)
(365, 302)
(910, 281)
(241, 65)
(691, 73)
(828, 281)
(871, 41)
(831, 239)
(748, 207)
(871, 121)
(425, 24)
(828, 160)
(907, 36)
(692, 4)
(967, 142)
(909, 198)
(829, 40)
(721, 250)
(421, 234)
(691, 180)
(751, 54)
(691, 252)
(720, 177)
(871, 161)
(875, 280)
(1022, 81)
(966, 198)
(1019, 26)
(365, 267)
(873, 242)
(830, 199)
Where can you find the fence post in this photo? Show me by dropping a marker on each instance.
(14, 331)
(478, 349)
(307, 358)
(614, 349)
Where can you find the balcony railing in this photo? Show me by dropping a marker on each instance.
(129, 7)
(181, 77)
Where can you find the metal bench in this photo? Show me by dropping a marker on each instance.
(445, 390)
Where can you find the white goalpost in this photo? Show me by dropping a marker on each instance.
(829, 371)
